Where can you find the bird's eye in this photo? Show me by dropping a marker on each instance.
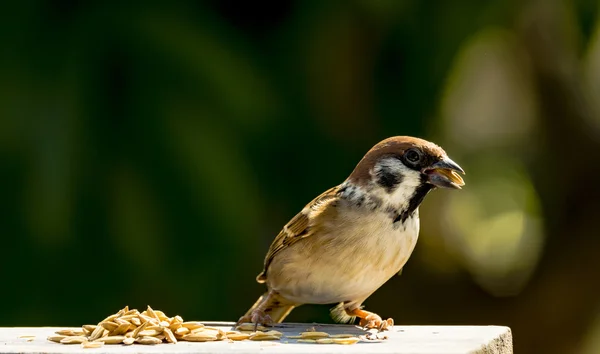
(412, 156)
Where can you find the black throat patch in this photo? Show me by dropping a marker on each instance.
(415, 200)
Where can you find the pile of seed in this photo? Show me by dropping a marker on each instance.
(151, 327)
(154, 327)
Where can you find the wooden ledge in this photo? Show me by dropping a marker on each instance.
(401, 340)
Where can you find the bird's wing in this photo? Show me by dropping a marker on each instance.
(301, 226)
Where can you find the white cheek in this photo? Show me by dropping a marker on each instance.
(400, 196)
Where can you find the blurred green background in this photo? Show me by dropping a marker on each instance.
(150, 152)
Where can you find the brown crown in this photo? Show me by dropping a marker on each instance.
(395, 145)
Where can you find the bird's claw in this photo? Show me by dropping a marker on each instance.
(374, 321)
(258, 317)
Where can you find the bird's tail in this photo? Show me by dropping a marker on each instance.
(270, 303)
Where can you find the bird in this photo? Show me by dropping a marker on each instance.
(350, 240)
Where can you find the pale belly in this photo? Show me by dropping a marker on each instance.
(346, 262)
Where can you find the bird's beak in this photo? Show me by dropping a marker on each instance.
(444, 174)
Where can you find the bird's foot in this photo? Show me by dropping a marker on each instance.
(374, 321)
(258, 317)
(370, 320)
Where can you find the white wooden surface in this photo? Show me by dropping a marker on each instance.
(401, 340)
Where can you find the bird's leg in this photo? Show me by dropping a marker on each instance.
(370, 320)
(257, 314)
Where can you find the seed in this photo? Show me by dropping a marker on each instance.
(110, 318)
(350, 340)
(136, 321)
(128, 341)
(148, 340)
(182, 331)
(210, 328)
(97, 333)
(155, 327)
(314, 335)
(111, 339)
(341, 336)
(73, 340)
(274, 333)
(325, 341)
(151, 313)
(92, 344)
(121, 321)
(109, 325)
(306, 341)
(263, 336)
(133, 312)
(161, 315)
(250, 327)
(137, 331)
(192, 325)
(122, 329)
(200, 337)
(69, 332)
(220, 334)
(170, 336)
(144, 318)
(56, 338)
(90, 328)
(294, 337)
(150, 332)
(238, 336)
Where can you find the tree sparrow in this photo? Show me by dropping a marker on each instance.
(354, 237)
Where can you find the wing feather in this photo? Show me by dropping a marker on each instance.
(300, 226)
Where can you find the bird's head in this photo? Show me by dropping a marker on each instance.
(400, 167)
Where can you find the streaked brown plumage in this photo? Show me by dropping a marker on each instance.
(351, 239)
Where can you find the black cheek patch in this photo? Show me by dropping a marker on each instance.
(388, 180)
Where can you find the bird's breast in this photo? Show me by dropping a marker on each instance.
(349, 258)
